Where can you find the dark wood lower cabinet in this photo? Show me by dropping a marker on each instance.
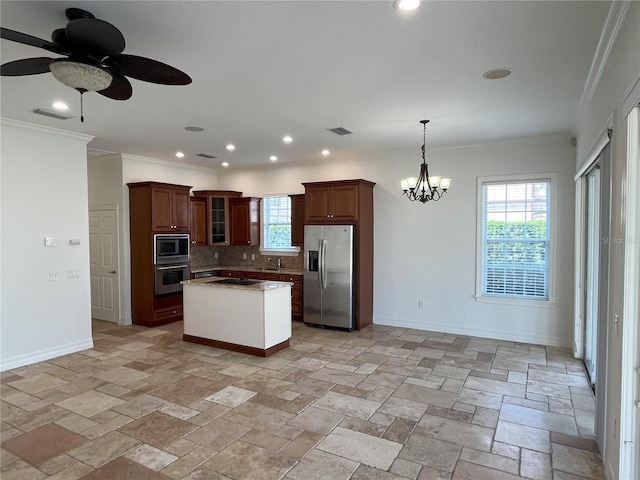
(158, 310)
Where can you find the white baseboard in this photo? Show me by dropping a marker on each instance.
(46, 354)
(475, 332)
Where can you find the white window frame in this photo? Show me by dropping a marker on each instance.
(264, 250)
(550, 302)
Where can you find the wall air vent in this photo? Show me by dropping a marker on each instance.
(340, 131)
(206, 155)
(52, 113)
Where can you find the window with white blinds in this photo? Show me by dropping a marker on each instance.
(515, 237)
(276, 212)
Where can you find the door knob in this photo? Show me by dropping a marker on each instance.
(111, 271)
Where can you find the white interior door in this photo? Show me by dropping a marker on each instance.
(103, 250)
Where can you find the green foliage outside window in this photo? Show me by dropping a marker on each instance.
(503, 246)
(279, 236)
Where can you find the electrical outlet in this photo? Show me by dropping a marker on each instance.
(54, 276)
(420, 303)
(253, 256)
(215, 255)
(244, 256)
(49, 241)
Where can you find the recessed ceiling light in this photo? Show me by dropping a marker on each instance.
(273, 158)
(231, 147)
(194, 129)
(225, 164)
(497, 73)
(179, 154)
(406, 5)
(325, 152)
(60, 106)
(287, 139)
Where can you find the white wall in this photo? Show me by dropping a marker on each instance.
(44, 194)
(621, 71)
(108, 178)
(427, 252)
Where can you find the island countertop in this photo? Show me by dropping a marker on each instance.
(245, 268)
(261, 285)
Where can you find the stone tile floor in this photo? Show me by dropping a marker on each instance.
(381, 404)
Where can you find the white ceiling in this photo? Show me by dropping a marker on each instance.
(268, 68)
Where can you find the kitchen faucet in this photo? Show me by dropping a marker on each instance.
(278, 262)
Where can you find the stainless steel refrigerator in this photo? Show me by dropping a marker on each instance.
(329, 291)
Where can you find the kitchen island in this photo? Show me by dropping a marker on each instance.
(249, 316)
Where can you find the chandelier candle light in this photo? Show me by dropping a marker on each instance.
(424, 187)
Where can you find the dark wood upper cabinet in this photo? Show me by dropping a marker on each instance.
(218, 231)
(198, 221)
(165, 205)
(244, 220)
(336, 202)
(297, 220)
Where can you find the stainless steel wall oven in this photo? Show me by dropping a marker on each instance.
(171, 262)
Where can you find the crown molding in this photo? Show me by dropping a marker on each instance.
(608, 35)
(156, 161)
(25, 126)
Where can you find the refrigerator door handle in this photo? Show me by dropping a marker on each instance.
(320, 259)
(323, 274)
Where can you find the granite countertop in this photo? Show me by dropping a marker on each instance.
(261, 285)
(246, 268)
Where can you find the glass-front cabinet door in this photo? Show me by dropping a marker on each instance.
(219, 213)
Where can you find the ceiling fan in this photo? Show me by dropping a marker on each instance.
(95, 60)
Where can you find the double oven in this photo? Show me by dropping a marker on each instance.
(171, 261)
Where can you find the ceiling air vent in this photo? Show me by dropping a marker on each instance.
(52, 113)
(206, 155)
(340, 131)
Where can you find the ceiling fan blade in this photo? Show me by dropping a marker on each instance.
(120, 88)
(95, 37)
(148, 70)
(20, 37)
(26, 66)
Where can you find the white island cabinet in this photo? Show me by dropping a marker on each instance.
(251, 317)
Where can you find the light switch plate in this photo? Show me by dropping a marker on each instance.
(74, 241)
(49, 241)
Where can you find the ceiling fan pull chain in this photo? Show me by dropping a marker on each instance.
(81, 104)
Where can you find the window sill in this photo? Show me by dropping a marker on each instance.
(283, 252)
(515, 302)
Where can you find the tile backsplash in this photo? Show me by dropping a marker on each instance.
(205, 256)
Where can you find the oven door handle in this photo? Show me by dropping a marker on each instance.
(172, 267)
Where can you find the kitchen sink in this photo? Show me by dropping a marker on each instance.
(239, 281)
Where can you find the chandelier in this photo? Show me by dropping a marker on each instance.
(425, 187)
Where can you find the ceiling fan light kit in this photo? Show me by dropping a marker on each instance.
(96, 62)
(81, 76)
